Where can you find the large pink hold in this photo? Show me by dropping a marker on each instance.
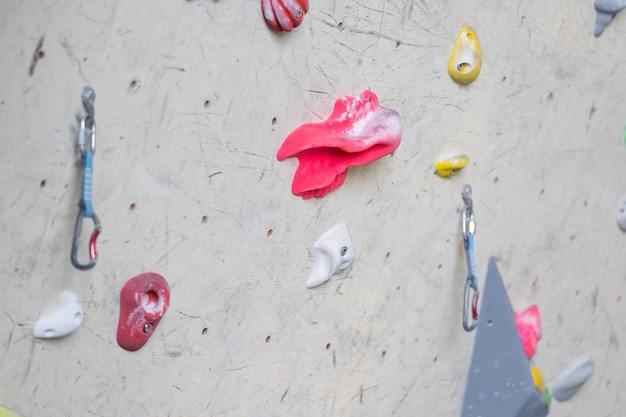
(529, 329)
(358, 131)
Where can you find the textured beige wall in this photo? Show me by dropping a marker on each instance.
(542, 125)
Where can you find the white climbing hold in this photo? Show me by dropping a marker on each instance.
(605, 12)
(65, 319)
(333, 252)
(621, 214)
(572, 379)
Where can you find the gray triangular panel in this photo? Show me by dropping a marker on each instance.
(499, 383)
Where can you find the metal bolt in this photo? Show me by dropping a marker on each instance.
(298, 13)
(147, 327)
(344, 250)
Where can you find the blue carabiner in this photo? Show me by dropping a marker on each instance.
(469, 228)
(85, 206)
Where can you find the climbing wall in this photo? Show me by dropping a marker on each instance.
(194, 98)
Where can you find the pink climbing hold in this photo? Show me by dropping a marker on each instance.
(357, 132)
(144, 299)
(529, 329)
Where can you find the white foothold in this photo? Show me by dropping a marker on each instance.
(333, 252)
(621, 215)
(605, 12)
(572, 379)
(65, 319)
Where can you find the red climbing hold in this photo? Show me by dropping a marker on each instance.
(529, 329)
(357, 132)
(284, 15)
(144, 299)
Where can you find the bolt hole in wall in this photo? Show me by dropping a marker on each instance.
(267, 339)
(204, 220)
(132, 207)
(204, 331)
(41, 55)
(383, 353)
(207, 104)
(274, 121)
(398, 44)
(270, 232)
(42, 183)
(388, 255)
(134, 84)
(340, 25)
(327, 346)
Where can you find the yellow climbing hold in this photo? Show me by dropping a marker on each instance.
(465, 59)
(538, 378)
(448, 167)
(5, 412)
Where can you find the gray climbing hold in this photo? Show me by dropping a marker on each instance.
(572, 379)
(605, 12)
(499, 383)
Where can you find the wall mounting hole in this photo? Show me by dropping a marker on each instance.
(388, 255)
(340, 25)
(205, 330)
(383, 354)
(398, 44)
(132, 206)
(274, 121)
(204, 219)
(267, 339)
(41, 55)
(270, 232)
(435, 359)
(327, 346)
(207, 104)
(489, 323)
(42, 183)
(439, 266)
(133, 84)
(495, 180)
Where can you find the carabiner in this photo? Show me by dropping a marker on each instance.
(93, 255)
(469, 228)
(85, 207)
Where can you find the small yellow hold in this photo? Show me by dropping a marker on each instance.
(448, 167)
(5, 412)
(465, 59)
(538, 378)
